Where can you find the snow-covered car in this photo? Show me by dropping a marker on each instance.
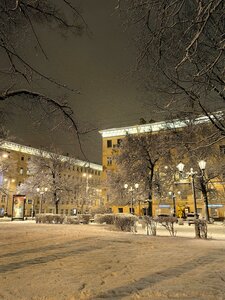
(190, 218)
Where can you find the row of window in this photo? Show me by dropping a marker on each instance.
(111, 145)
(71, 168)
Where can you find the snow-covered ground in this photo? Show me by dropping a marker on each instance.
(39, 261)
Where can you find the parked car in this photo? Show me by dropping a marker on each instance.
(190, 218)
(2, 212)
(163, 215)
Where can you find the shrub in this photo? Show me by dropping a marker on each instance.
(201, 229)
(49, 218)
(105, 218)
(168, 223)
(71, 220)
(151, 225)
(85, 218)
(125, 222)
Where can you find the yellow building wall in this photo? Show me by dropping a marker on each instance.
(17, 175)
(182, 205)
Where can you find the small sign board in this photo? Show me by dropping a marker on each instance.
(18, 207)
(164, 206)
(215, 205)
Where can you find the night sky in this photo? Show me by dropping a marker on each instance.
(100, 66)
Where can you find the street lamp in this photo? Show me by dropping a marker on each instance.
(173, 196)
(131, 190)
(41, 191)
(192, 174)
(174, 202)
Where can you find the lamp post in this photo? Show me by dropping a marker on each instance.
(202, 166)
(41, 191)
(131, 190)
(192, 174)
(173, 197)
(174, 202)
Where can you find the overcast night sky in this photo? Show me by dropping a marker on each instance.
(100, 67)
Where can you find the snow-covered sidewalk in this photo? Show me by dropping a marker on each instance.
(39, 261)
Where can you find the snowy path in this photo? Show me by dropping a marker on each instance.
(51, 262)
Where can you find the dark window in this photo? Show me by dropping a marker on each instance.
(222, 149)
(109, 143)
(120, 210)
(131, 210)
(22, 157)
(119, 141)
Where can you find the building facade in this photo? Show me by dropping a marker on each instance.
(181, 195)
(15, 160)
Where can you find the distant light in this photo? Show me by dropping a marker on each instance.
(202, 164)
(180, 167)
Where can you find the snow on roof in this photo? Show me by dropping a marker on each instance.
(37, 152)
(154, 127)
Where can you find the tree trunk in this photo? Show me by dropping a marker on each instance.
(57, 207)
(149, 212)
(205, 196)
(197, 230)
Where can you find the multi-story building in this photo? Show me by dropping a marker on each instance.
(182, 194)
(15, 160)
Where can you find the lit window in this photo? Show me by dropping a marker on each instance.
(109, 161)
(21, 171)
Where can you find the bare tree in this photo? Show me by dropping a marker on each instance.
(181, 51)
(19, 24)
(50, 171)
(138, 160)
(196, 142)
(150, 159)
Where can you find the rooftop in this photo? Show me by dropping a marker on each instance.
(153, 127)
(37, 152)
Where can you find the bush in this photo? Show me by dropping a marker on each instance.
(49, 218)
(151, 225)
(105, 218)
(126, 222)
(71, 220)
(168, 223)
(201, 229)
(85, 218)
